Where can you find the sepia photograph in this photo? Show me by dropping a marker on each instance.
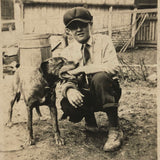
(79, 80)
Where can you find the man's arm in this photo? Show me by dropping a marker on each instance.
(109, 61)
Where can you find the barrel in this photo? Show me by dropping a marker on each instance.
(34, 49)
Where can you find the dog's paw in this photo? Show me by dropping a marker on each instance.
(32, 142)
(60, 141)
(9, 124)
(29, 142)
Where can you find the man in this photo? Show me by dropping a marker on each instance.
(97, 88)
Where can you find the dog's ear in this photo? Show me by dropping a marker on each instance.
(44, 67)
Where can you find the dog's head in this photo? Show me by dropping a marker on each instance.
(56, 68)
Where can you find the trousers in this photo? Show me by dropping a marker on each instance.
(102, 93)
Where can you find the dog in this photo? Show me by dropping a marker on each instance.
(37, 86)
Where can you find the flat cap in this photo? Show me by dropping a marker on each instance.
(77, 14)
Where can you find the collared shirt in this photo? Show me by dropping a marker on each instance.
(103, 57)
(102, 54)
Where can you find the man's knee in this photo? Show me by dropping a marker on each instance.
(103, 84)
(101, 78)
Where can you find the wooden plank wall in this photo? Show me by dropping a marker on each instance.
(48, 18)
(45, 18)
(93, 2)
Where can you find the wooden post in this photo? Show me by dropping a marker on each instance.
(1, 60)
(18, 12)
(133, 27)
(158, 82)
(110, 22)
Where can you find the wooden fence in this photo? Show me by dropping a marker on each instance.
(120, 24)
(147, 35)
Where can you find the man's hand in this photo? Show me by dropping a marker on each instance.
(89, 69)
(75, 97)
(76, 71)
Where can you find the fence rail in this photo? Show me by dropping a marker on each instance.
(137, 11)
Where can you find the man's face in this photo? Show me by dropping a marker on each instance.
(80, 31)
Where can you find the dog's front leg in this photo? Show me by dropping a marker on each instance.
(30, 129)
(53, 112)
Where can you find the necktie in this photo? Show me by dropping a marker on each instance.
(85, 53)
(86, 56)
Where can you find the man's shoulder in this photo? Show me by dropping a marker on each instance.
(101, 36)
(102, 39)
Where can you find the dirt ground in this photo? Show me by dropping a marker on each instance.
(137, 116)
